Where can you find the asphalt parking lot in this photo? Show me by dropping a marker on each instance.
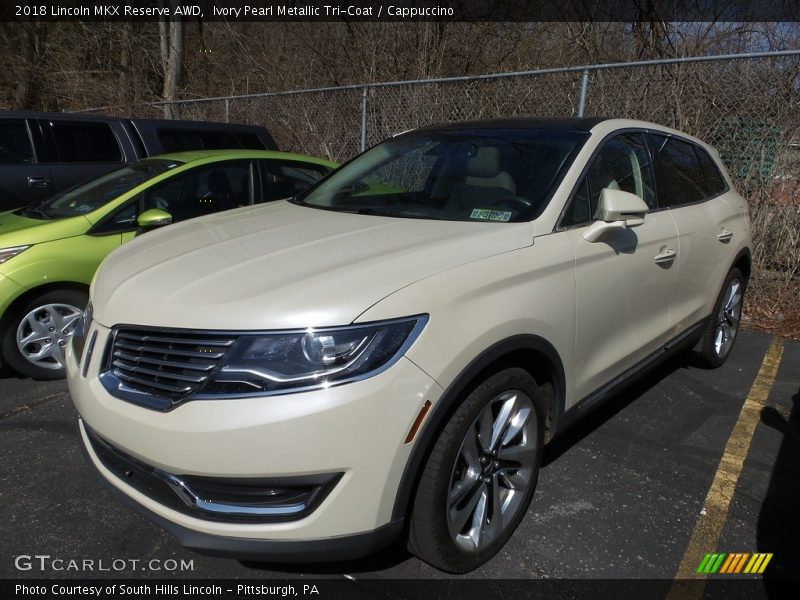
(621, 495)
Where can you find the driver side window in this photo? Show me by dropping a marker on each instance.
(193, 193)
(623, 163)
(204, 190)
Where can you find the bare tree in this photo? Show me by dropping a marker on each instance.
(172, 46)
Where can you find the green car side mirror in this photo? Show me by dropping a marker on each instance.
(150, 219)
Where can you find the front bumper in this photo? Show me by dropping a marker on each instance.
(357, 429)
(289, 551)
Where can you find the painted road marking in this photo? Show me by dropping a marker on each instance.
(718, 500)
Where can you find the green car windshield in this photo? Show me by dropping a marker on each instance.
(501, 175)
(91, 195)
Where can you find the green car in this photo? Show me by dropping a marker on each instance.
(50, 251)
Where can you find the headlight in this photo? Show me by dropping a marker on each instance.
(314, 358)
(7, 253)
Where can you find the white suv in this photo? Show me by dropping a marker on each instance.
(388, 352)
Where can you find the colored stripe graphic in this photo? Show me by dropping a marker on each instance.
(730, 563)
(764, 564)
(711, 563)
(741, 562)
(703, 563)
(717, 564)
(758, 563)
(727, 564)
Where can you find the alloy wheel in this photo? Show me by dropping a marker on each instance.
(43, 333)
(493, 471)
(730, 313)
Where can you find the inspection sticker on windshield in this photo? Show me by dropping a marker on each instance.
(490, 215)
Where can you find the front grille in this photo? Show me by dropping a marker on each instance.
(162, 363)
(234, 500)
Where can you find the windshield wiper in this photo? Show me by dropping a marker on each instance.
(363, 211)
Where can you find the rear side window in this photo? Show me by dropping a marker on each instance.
(178, 140)
(85, 142)
(15, 143)
(715, 182)
(681, 176)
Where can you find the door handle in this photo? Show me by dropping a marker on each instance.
(665, 256)
(38, 182)
(725, 236)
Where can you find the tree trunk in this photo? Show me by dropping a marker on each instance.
(26, 94)
(172, 42)
(125, 98)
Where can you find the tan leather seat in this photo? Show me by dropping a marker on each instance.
(483, 170)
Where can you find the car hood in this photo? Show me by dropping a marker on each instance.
(279, 266)
(16, 230)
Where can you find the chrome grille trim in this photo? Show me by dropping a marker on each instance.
(125, 366)
(162, 363)
(160, 339)
(187, 353)
(161, 386)
(160, 368)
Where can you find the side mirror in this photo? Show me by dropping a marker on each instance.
(616, 210)
(150, 219)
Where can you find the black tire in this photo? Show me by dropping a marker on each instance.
(430, 535)
(12, 354)
(709, 354)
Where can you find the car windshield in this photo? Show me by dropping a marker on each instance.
(497, 175)
(90, 195)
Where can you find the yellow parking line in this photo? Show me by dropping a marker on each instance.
(718, 500)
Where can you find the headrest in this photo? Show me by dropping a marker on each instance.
(485, 163)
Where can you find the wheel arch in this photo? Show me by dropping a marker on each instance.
(33, 292)
(530, 352)
(743, 262)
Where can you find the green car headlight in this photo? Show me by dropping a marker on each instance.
(284, 362)
(8, 253)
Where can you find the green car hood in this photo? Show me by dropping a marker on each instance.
(16, 230)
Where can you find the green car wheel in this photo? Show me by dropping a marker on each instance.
(35, 342)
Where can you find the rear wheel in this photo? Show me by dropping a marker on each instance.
(723, 325)
(35, 340)
(481, 474)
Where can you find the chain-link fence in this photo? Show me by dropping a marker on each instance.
(747, 106)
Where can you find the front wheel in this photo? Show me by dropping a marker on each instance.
(35, 339)
(481, 474)
(723, 325)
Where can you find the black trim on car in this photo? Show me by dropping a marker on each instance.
(280, 551)
(743, 253)
(439, 416)
(683, 341)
